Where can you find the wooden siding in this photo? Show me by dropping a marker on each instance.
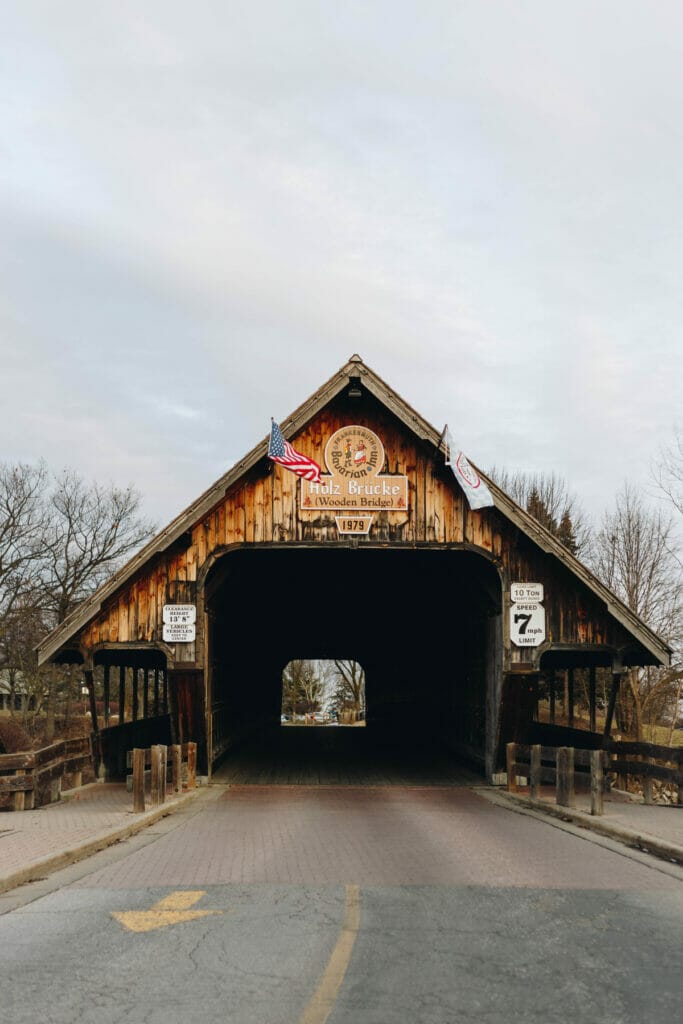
(261, 508)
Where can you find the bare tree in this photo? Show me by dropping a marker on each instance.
(60, 538)
(91, 530)
(668, 471)
(547, 497)
(349, 687)
(303, 687)
(634, 553)
(22, 531)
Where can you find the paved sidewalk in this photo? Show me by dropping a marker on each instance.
(655, 828)
(35, 843)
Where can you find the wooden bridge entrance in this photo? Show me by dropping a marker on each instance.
(373, 548)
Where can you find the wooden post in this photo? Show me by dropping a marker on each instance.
(105, 696)
(570, 697)
(122, 693)
(592, 698)
(97, 746)
(156, 692)
(614, 693)
(155, 769)
(511, 758)
(145, 692)
(162, 771)
(564, 786)
(176, 767)
(191, 765)
(552, 684)
(138, 780)
(158, 773)
(19, 796)
(535, 772)
(648, 795)
(135, 694)
(597, 782)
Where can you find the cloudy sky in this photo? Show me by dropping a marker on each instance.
(207, 207)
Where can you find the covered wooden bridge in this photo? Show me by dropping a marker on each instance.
(460, 616)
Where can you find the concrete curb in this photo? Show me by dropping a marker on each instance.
(57, 861)
(637, 840)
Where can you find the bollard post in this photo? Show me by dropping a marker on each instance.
(564, 791)
(138, 780)
(511, 759)
(154, 775)
(191, 765)
(597, 783)
(535, 772)
(176, 767)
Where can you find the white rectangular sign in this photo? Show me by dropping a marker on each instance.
(526, 591)
(179, 632)
(527, 624)
(180, 614)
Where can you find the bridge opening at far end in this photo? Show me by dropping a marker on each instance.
(323, 692)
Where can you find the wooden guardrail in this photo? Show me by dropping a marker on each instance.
(160, 765)
(34, 777)
(559, 765)
(647, 761)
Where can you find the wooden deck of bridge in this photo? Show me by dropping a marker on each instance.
(309, 756)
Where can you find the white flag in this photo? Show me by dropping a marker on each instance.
(477, 493)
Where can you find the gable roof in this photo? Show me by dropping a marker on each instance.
(354, 368)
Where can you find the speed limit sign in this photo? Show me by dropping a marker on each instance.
(527, 624)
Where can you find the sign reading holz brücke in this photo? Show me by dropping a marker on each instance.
(179, 623)
(354, 457)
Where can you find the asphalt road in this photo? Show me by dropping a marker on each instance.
(290, 905)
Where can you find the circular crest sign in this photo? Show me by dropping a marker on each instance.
(354, 453)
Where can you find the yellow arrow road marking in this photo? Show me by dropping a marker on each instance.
(172, 909)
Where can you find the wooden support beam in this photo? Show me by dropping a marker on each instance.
(145, 692)
(592, 698)
(156, 692)
(552, 684)
(96, 746)
(136, 702)
(106, 695)
(614, 693)
(570, 698)
(122, 693)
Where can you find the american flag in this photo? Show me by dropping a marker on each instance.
(281, 451)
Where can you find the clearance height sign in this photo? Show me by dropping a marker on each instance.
(354, 457)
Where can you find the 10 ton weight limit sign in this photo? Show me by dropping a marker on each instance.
(527, 615)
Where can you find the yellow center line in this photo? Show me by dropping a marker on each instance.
(325, 996)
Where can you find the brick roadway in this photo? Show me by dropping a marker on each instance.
(371, 836)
